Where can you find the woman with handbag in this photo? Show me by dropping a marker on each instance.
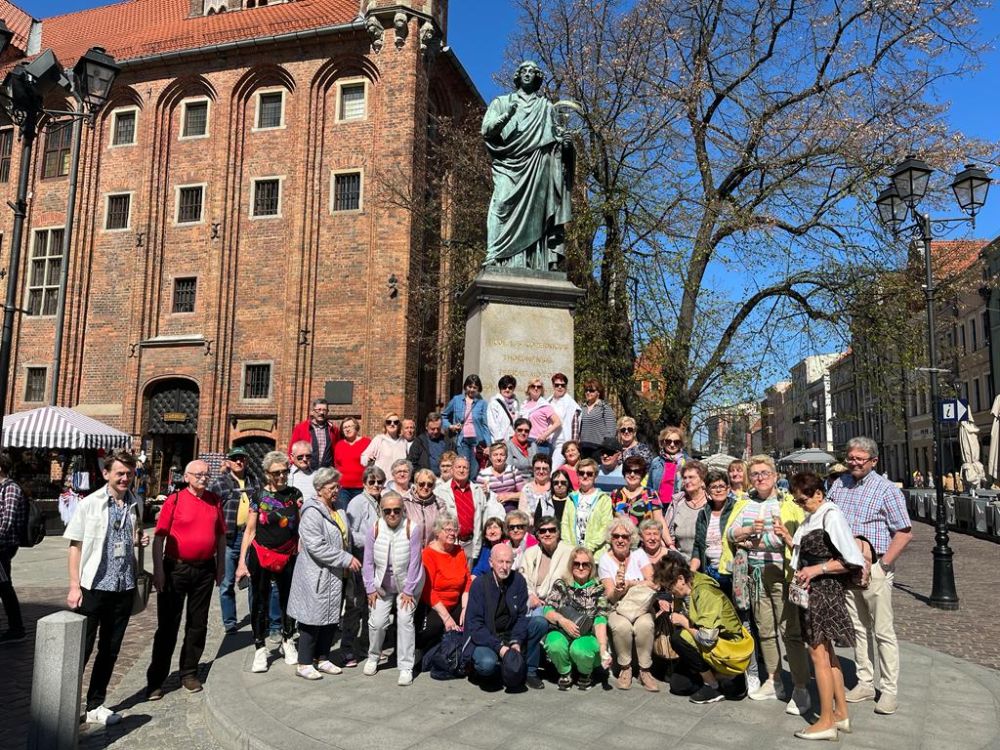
(824, 555)
(628, 584)
(320, 571)
(578, 607)
(270, 544)
(711, 643)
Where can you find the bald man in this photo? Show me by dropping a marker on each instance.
(189, 560)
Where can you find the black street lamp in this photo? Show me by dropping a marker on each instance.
(22, 97)
(908, 186)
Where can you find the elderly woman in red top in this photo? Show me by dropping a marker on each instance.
(446, 588)
(347, 460)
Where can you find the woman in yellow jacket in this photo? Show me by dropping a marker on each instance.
(587, 516)
(764, 523)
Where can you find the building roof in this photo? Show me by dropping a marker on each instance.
(18, 22)
(144, 27)
(953, 257)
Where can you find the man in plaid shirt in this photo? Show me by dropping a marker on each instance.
(13, 517)
(876, 510)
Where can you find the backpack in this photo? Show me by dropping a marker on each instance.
(444, 661)
(33, 530)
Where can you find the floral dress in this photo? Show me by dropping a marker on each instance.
(826, 617)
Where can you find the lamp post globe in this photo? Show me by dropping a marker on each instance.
(891, 210)
(971, 186)
(95, 74)
(911, 178)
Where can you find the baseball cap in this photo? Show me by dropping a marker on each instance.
(237, 453)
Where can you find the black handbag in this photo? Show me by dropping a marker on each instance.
(583, 621)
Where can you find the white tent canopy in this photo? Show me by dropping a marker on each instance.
(60, 427)
(808, 456)
(718, 461)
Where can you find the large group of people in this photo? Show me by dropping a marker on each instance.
(544, 530)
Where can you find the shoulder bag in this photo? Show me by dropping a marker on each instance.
(636, 602)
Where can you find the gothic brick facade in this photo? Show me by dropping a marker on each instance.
(304, 107)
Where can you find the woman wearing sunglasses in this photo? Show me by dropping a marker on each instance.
(597, 419)
(393, 573)
(587, 516)
(578, 608)
(385, 449)
(561, 487)
(628, 438)
(636, 501)
(665, 469)
(270, 544)
(420, 504)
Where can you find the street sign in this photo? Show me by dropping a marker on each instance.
(953, 410)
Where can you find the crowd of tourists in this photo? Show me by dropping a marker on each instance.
(516, 542)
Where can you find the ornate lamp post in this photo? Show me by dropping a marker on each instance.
(22, 96)
(907, 187)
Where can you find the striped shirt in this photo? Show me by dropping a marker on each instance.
(597, 424)
(873, 506)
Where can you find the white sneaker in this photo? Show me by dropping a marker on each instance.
(103, 715)
(370, 668)
(405, 678)
(764, 693)
(290, 651)
(259, 660)
(328, 667)
(308, 672)
(753, 680)
(799, 704)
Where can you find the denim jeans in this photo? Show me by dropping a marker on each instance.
(467, 449)
(346, 495)
(227, 591)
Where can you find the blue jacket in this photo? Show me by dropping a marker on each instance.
(656, 474)
(480, 612)
(454, 413)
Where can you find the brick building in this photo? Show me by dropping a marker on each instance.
(229, 260)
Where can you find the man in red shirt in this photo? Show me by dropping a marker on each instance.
(319, 432)
(189, 560)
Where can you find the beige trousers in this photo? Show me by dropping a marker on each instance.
(775, 617)
(625, 633)
(871, 613)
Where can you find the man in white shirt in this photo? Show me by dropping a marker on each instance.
(568, 410)
(300, 475)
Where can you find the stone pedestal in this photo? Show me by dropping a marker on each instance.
(520, 323)
(57, 682)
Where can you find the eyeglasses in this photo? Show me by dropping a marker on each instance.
(560, 483)
(278, 473)
(534, 386)
(586, 474)
(517, 526)
(239, 459)
(718, 488)
(859, 461)
(760, 474)
(670, 441)
(302, 456)
(507, 388)
(627, 430)
(391, 422)
(449, 530)
(523, 430)
(633, 473)
(392, 511)
(582, 565)
(621, 536)
(374, 483)
(590, 390)
(425, 485)
(548, 530)
(543, 469)
(205, 475)
(558, 385)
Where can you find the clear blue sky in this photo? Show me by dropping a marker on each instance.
(480, 42)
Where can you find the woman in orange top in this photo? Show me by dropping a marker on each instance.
(446, 590)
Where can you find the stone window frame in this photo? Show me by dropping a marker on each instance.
(177, 203)
(114, 126)
(107, 207)
(28, 368)
(253, 197)
(270, 381)
(28, 286)
(256, 114)
(351, 81)
(208, 117)
(333, 191)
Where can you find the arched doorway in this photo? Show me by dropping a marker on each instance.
(257, 447)
(170, 427)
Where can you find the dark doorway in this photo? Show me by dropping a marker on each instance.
(170, 429)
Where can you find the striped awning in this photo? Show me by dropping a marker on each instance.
(60, 427)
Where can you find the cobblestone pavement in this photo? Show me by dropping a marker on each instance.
(179, 720)
(973, 631)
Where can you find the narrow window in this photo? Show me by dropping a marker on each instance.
(269, 110)
(124, 130)
(43, 274)
(195, 119)
(6, 143)
(184, 294)
(118, 211)
(347, 191)
(266, 197)
(352, 101)
(189, 205)
(55, 162)
(34, 384)
(257, 381)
